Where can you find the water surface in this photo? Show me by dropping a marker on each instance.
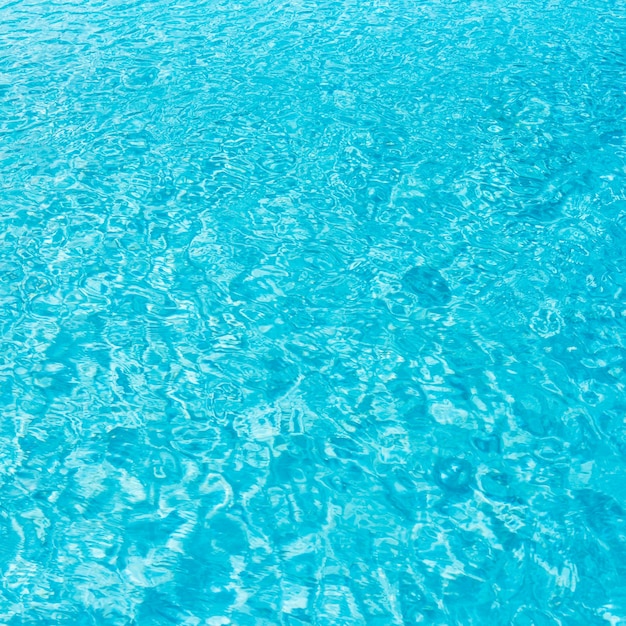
(312, 312)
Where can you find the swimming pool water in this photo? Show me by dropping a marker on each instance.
(313, 312)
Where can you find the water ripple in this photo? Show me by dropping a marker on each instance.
(312, 312)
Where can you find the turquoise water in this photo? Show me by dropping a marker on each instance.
(313, 312)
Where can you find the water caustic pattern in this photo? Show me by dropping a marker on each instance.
(313, 312)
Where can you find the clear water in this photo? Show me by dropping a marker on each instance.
(313, 312)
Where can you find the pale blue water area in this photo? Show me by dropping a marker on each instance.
(313, 312)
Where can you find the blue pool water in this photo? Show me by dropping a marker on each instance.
(313, 312)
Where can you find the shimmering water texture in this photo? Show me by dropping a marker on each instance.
(313, 312)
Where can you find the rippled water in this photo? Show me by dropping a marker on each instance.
(313, 312)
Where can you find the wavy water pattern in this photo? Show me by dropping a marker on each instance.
(312, 312)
